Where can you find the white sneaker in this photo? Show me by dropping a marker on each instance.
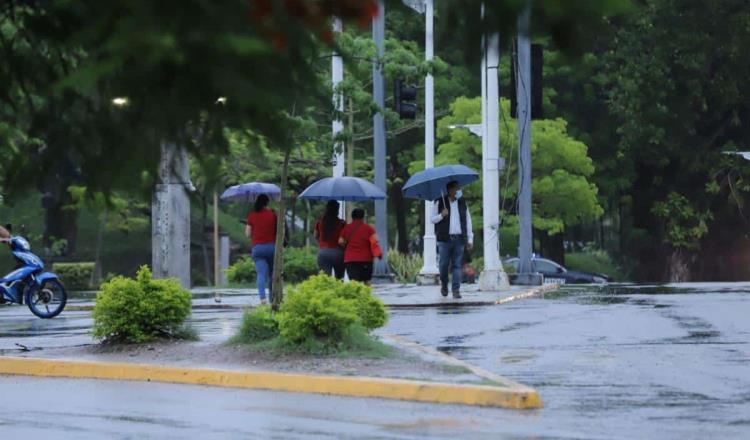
(263, 301)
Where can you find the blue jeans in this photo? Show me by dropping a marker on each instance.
(263, 257)
(451, 257)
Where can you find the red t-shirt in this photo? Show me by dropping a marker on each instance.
(333, 240)
(357, 234)
(263, 226)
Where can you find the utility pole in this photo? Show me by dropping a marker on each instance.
(381, 268)
(493, 277)
(337, 75)
(523, 86)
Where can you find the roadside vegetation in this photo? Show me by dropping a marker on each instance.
(320, 316)
(141, 309)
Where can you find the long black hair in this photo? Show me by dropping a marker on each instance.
(261, 202)
(330, 219)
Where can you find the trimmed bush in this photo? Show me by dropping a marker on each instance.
(258, 324)
(405, 266)
(140, 309)
(75, 276)
(299, 264)
(324, 308)
(242, 272)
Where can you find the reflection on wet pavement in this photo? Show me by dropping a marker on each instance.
(615, 361)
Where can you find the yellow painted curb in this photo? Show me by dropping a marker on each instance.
(397, 389)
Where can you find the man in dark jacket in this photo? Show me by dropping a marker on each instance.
(453, 229)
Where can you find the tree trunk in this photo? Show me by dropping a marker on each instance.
(277, 291)
(204, 240)
(293, 227)
(96, 275)
(402, 236)
(679, 270)
(307, 223)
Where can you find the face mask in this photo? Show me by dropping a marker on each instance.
(459, 194)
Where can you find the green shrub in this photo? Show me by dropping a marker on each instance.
(75, 276)
(596, 261)
(370, 308)
(242, 272)
(258, 324)
(406, 267)
(299, 264)
(324, 308)
(140, 309)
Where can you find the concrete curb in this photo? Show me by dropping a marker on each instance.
(397, 389)
(529, 293)
(450, 360)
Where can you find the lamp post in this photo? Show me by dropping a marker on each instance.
(429, 273)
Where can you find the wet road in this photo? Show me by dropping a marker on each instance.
(84, 409)
(619, 362)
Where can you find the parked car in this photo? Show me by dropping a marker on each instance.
(554, 272)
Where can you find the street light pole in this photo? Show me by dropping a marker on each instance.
(429, 273)
(378, 90)
(493, 277)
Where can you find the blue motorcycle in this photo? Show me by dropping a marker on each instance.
(41, 291)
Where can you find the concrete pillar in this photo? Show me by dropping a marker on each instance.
(170, 216)
(223, 259)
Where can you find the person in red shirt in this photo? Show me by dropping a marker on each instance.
(327, 232)
(361, 247)
(261, 229)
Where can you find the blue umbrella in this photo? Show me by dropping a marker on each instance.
(248, 192)
(350, 189)
(430, 184)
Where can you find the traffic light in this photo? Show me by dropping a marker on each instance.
(537, 84)
(405, 99)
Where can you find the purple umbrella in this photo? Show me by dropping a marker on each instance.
(248, 192)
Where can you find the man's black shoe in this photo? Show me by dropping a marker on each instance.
(456, 294)
(444, 291)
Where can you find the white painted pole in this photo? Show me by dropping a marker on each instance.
(337, 75)
(429, 273)
(493, 276)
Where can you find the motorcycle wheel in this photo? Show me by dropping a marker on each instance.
(47, 300)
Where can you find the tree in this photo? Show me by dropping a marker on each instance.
(562, 193)
(678, 104)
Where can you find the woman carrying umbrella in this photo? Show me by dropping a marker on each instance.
(327, 232)
(362, 247)
(261, 229)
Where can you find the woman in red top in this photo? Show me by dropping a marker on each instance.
(261, 228)
(362, 246)
(327, 232)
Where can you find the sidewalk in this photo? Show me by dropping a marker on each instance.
(393, 295)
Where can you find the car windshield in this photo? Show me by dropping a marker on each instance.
(546, 266)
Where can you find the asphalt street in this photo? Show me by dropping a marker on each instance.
(617, 362)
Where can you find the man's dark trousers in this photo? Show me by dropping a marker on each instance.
(451, 256)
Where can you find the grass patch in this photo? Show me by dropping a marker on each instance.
(356, 343)
(456, 369)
